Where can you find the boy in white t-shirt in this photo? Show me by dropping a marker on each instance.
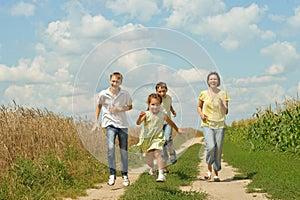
(114, 102)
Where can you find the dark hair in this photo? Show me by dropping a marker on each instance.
(153, 96)
(218, 77)
(161, 84)
(118, 74)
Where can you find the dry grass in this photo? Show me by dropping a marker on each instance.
(32, 133)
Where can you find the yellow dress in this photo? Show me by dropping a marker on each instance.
(152, 136)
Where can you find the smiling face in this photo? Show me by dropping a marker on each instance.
(213, 81)
(154, 105)
(162, 91)
(115, 81)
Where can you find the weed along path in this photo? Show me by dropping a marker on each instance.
(227, 189)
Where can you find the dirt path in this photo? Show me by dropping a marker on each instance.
(227, 189)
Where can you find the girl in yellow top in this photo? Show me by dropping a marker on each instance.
(152, 139)
(212, 108)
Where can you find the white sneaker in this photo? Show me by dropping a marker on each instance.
(126, 181)
(152, 172)
(161, 178)
(111, 180)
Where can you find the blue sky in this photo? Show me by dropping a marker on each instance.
(58, 54)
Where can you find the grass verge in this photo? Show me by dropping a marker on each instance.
(274, 173)
(181, 174)
(51, 177)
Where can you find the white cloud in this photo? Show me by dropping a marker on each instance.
(229, 44)
(192, 75)
(95, 26)
(284, 55)
(142, 10)
(277, 18)
(295, 20)
(23, 9)
(33, 72)
(246, 98)
(233, 28)
(257, 80)
(55, 97)
(189, 12)
(25, 72)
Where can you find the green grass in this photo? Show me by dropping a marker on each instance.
(52, 178)
(274, 173)
(182, 174)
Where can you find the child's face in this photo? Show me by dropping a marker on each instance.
(162, 91)
(154, 105)
(115, 82)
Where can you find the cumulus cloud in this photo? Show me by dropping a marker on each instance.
(230, 44)
(257, 80)
(187, 13)
(284, 55)
(209, 18)
(295, 20)
(142, 10)
(247, 98)
(34, 95)
(23, 9)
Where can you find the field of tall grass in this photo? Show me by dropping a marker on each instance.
(42, 156)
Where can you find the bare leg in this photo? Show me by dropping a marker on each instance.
(150, 158)
(207, 175)
(160, 162)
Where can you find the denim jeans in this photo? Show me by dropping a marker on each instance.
(122, 133)
(168, 146)
(214, 142)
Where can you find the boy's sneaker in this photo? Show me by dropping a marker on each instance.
(111, 180)
(161, 178)
(152, 172)
(173, 158)
(126, 181)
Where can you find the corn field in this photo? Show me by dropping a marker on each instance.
(275, 129)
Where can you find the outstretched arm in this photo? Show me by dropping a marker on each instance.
(141, 117)
(173, 125)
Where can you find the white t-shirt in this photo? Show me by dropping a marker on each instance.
(106, 99)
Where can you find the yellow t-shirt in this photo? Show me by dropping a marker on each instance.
(212, 109)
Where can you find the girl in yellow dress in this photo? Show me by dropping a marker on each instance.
(151, 140)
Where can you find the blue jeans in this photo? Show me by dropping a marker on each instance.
(168, 146)
(214, 142)
(122, 133)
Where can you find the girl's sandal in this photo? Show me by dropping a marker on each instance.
(207, 176)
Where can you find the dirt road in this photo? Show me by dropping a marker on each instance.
(227, 189)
